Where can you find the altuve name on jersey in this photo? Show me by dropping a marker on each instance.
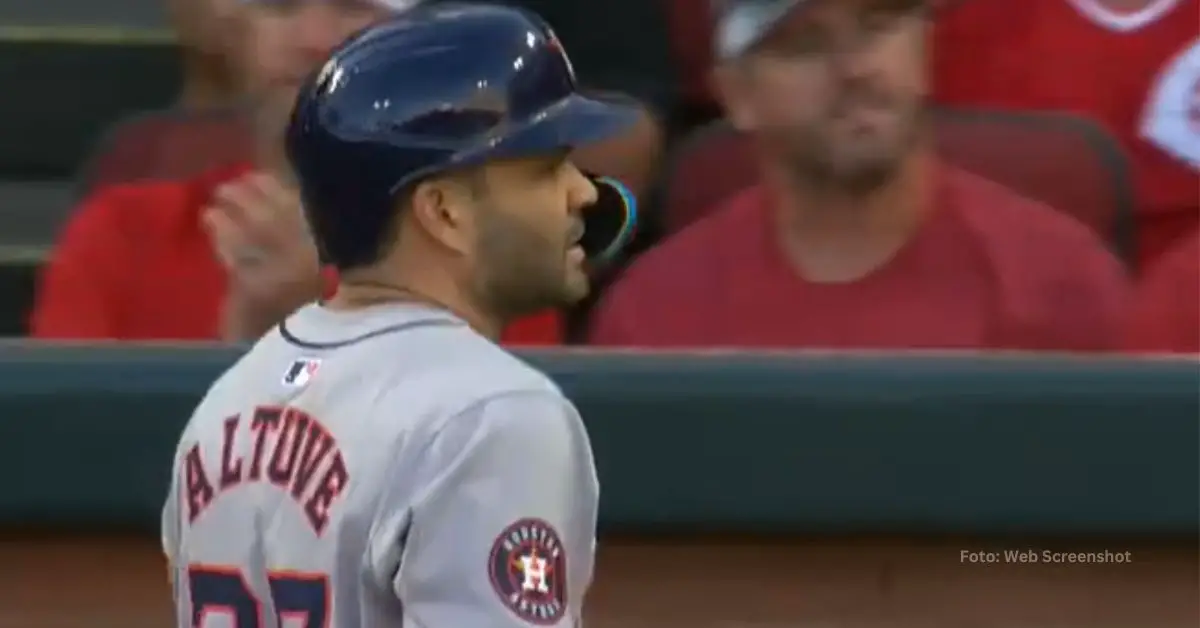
(292, 450)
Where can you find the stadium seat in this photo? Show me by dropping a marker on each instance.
(1066, 161)
(710, 164)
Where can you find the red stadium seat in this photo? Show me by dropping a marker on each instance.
(1066, 161)
(712, 163)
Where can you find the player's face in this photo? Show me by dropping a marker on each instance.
(529, 221)
(836, 92)
(285, 40)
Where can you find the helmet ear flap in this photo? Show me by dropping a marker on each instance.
(611, 222)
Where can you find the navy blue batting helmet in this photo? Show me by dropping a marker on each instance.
(437, 88)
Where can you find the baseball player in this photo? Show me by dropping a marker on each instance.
(377, 460)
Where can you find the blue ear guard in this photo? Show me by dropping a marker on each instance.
(611, 222)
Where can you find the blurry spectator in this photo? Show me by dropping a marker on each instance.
(208, 133)
(856, 235)
(203, 129)
(225, 254)
(169, 259)
(206, 33)
(1065, 161)
(177, 145)
(1132, 65)
(1166, 315)
(151, 260)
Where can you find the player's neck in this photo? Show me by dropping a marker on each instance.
(357, 290)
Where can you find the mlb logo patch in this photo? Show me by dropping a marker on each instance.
(301, 372)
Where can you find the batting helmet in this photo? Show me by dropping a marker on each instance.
(437, 88)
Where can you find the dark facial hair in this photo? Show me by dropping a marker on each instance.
(813, 164)
(522, 271)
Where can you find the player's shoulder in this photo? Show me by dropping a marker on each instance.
(468, 383)
(238, 374)
(483, 370)
(412, 370)
(431, 352)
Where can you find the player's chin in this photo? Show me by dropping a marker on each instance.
(576, 284)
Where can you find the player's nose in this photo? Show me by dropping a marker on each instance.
(581, 191)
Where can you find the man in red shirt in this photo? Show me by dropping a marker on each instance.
(856, 237)
(226, 255)
(1132, 65)
(1166, 314)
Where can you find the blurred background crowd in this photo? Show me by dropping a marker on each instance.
(910, 174)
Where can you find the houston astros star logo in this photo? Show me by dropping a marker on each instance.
(527, 568)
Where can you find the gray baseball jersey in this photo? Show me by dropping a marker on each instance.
(385, 467)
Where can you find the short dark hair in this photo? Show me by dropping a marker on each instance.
(472, 178)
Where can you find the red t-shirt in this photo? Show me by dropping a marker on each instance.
(987, 270)
(135, 263)
(1136, 72)
(1166, 313)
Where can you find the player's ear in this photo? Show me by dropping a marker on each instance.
(442, 208)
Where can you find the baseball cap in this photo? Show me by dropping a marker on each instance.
(743, 23)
